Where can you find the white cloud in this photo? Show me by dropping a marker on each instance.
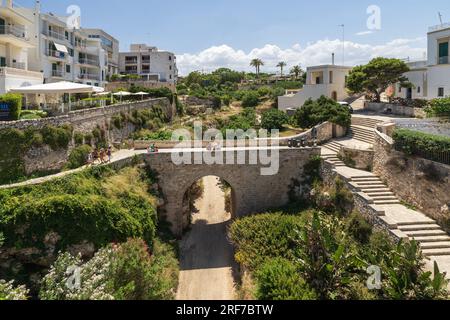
(364, 33)
(315, 53)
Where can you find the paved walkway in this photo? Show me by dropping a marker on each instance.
(402, 221)
(207, 257)
(117, 156)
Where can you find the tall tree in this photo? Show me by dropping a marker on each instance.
(281, 65)
(376, 76)
(296, 71)
(257, 63)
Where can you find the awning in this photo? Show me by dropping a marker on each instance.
(60, 47)
(58, 87)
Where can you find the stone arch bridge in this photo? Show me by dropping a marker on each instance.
(251, 191)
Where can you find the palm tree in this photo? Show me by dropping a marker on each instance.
(296, 71)
(281, 65)
(257, 63)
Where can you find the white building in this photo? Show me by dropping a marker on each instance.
(15, 44)
(149, 63)
(326, 80)
(110, 45)
(62, 53)
(431, 77)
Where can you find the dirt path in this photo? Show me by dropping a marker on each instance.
(207, 260)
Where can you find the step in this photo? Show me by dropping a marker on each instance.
(419, 227)
(384, 198)
(425, 233)
(432, 239)
(435, 245)
(436, 252)
(369, 183)
(386, 202)
(366, 179)
(371, 187)
(380, 190)
(380, 194)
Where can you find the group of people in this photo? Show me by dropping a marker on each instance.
(100, 156)
(152, 148)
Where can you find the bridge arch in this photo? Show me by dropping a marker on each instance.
(232, 191)
(252, 192)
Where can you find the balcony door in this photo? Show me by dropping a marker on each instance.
(2, 26)
(443, 53)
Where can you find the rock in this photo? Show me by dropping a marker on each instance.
(85, 249)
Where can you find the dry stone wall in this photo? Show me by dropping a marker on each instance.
(417, 181)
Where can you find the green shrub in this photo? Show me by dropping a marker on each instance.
(9, 292)
(121, 272)
(324, 109)
(273, 119)
(250, 99)
(137, 275)
(78, 138)
(57, 137)
(421, 144)
(226, 99)
(262, 237)
(78, 156)
(279, 279)
(15, 104)
(359, 228)
(439, 107)
(76, 218)
(162, 135)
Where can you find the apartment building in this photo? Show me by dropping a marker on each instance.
(149, 63)
(325, 80)
(110, 45)
(431, 77)
(15, 44)
(44, 43)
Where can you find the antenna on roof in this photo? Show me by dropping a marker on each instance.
(440, 18)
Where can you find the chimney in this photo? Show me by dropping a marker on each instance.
(332, 58)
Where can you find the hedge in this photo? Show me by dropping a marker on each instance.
(439, 107)
(419, 143)
(15, 103)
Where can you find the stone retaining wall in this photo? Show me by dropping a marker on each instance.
(43, 159)
(361, 159)
(417, 181)
(395, 109)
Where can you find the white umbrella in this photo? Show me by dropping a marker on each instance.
(122, 94)
(142, 94)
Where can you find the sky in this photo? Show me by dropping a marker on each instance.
(207, 34)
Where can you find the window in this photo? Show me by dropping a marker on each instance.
(443, 53)
(2, 62)
(331, 76)
(440, 92)
(67, 35)
(418, 89)
(170, 58)
(68, 68)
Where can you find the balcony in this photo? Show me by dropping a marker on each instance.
(55, 35)
(89, 76)
(131, 61)
(17, 72)
(90, 62)
(58, 73)
(56, 54)
(443, 60)
(15, 35)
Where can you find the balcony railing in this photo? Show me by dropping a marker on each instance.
(56, 35)
(56, 54)
(444, 60)
(57, 73)
(14, 31)
(89, 76)
(134, 61)
(18, 65)
(91, 62)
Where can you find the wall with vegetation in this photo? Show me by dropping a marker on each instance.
(35, 147)
(417, 181)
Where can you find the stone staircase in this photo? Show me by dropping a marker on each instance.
(375, 189)
(362, 133)
(333, 146)
(333, 159)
